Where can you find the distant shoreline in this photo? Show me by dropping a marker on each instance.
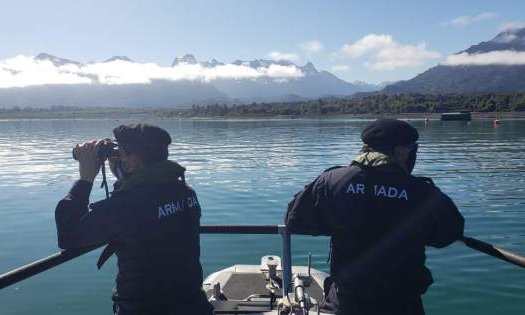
(409, 106)
(134, 114)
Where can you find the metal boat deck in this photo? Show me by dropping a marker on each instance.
(244, 289)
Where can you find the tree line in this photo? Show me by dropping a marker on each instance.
(364, 104)
(371, 104)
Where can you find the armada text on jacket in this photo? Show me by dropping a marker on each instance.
(151, 222)
(380, 218)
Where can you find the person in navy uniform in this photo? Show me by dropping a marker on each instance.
(151, 222)
(379, 218)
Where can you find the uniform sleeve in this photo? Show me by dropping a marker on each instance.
(80, 224)
(446, 224)
(305, 214)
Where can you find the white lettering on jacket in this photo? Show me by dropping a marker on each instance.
(356, 189)
(379, 191)
(192, 201)
(177, 206)
(170, 208)
(390, 192)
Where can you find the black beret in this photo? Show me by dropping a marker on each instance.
(389, 132)
(142, 135)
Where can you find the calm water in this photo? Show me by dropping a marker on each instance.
(245, 172)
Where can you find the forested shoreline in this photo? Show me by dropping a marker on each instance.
(363, 105)
(374, 104)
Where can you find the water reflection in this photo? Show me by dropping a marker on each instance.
(245, 171)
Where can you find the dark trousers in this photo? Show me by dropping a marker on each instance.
(413, 306)
(194, 305)
(345, 303)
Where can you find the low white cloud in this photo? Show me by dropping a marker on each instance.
(511, 25)
(123, 72)
(313, 46)
(277, 55)
(23, 71)
(382, 52)
(367, 44)
(466, 20)
(402, 56)
(504, 57)
(340, 68)
(277, 71)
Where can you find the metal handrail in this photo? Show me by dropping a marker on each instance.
(493, 251)
(41, 265)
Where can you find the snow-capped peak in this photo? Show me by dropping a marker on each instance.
(309, 69)
(512, 39)
(186, 59)
(55, 60)
(120, 58)
(516, 35)
(212, 63)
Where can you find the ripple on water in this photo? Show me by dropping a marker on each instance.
(245, 172)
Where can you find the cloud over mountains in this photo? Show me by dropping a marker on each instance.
(491, 66)
(23, 71)
(382, 52)
(507, 48)
(506, 57)
(46, 80)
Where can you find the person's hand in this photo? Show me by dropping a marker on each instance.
(87, 156)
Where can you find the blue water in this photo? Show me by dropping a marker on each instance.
(245, 172)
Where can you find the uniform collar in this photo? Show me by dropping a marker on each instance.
(159, 172)
(385, 168)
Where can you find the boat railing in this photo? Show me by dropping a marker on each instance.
(41, 265)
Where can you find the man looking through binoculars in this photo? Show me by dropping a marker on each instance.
(151, 222)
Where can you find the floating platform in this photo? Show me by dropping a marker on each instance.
(461, 116)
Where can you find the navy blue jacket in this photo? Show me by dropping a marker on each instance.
(154, 231)
(380, 219)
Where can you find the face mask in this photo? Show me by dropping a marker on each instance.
(411, 161)
(120, 170)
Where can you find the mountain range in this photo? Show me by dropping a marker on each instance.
(258, 84)
(493, 66)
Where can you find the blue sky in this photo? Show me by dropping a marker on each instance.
(372, 41)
